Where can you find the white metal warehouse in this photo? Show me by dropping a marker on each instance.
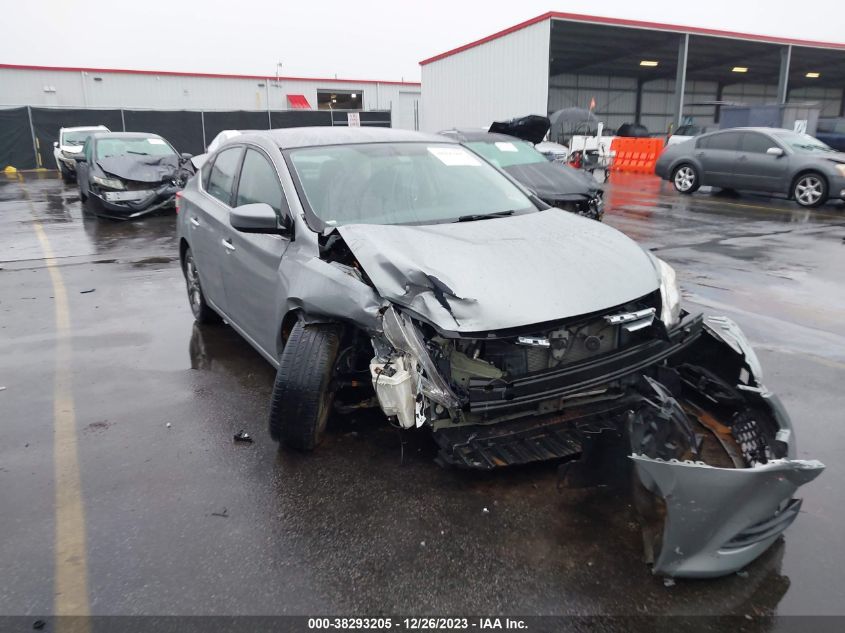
(648, 73)
(167, 90)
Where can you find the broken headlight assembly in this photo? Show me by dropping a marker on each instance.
(108, 183)
(670, 294)
(405, 337)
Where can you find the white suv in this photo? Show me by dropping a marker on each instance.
(69, 145)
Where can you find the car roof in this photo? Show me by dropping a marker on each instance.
(475, 136)
(125, 135)
(765, 130)
(295, 137)
(84, 127)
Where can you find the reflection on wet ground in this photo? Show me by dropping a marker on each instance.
(182, 520)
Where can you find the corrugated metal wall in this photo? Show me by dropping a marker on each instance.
(178, 92)
(616, 98)
(500, 79)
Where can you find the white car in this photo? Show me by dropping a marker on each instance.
(69, 146)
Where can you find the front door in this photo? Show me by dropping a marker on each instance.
(756, 170)
(252, 265)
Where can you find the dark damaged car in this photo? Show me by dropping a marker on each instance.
(399, 270)
(510, 147)
(131, 174)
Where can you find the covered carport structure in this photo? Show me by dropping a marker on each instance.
(629, 71)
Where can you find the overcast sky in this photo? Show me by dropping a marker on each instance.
(358, 39)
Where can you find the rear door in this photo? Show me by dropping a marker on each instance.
(755, 169)
(252, 265)
(207, 212)
(717, 154)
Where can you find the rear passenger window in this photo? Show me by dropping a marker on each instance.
(222, 175)
(725, 140)
(756, 143)
(259, 182)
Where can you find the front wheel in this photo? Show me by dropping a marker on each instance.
(203, 313)
(810, 190)
(685, 179)
(303, 394)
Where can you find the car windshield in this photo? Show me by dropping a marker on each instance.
(144, 146)
(803, 143)
(402, 183)
(507, 153)
(77, 137)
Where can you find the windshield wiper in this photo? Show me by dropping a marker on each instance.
(129, 151)
(483, 216)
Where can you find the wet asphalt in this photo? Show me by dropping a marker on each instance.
(180, 519)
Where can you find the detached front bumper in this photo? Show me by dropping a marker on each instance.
(713, 452)
(720, 519)
(134, 204)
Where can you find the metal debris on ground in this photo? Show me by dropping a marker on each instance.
(224, 514)
(668, 582)
(243, 436)
(85, 292)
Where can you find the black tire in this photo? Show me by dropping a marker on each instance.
(302, 394)
(203, 313)
(810, 189)
(685, 178)
(68, 177)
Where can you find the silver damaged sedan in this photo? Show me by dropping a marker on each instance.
(400, 270)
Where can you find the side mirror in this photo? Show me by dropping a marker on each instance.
(55, 143)
(258, 217)
(775, 151)
(186, 156)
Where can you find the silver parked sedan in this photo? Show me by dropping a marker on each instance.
(400, 271)
(766, 160)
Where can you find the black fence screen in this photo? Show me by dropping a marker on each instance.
(27, 134)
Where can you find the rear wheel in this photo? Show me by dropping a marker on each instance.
(685, 179)
(203, 313)
(303, 394)
(810, 190)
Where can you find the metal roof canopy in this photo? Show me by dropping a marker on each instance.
(586, 48)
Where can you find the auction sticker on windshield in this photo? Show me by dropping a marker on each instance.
(504, 146)
(155, 141)
(454, 156)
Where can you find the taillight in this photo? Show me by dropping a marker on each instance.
(178, 200)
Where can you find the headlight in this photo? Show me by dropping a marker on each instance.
(108, 183)
(670, 294)
(405, 337)
(840, 167)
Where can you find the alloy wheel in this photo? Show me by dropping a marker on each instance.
(684, 178)
(193, 280)
(808, 190)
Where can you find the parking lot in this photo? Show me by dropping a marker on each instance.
(101, 351)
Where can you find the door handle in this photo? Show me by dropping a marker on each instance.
(228, 244)
(195, 222)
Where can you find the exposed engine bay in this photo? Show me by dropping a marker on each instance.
(687, 403)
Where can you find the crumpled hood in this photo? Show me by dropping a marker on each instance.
(551, 181)
(505, 272)
(140, 168)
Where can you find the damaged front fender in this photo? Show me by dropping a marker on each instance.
(720, 519)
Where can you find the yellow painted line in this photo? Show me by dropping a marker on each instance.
(71, 560)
